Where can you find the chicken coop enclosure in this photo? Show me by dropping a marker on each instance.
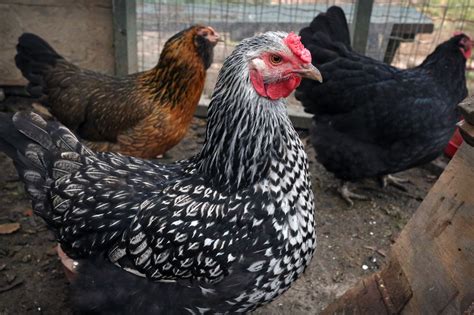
(418, 261)
(401, 32)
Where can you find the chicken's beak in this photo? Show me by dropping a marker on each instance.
(214, 37)
(309, 71)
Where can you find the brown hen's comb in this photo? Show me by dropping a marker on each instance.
(294, 43)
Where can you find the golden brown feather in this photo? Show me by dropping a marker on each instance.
(143, 114)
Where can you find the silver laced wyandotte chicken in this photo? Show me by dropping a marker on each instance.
(142, 114)
(372, 119)
(225, 231)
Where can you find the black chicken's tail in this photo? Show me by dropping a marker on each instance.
(42, 152)
(327, 38)
(324, 36)
(35, 57)
(333, 24)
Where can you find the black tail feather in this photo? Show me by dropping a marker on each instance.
(34, 58)
(35, 145)
(333, 24)
(21, 150)
(35, 128)
(327, 36)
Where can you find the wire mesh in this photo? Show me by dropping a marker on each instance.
(235, 20)
(402, 32)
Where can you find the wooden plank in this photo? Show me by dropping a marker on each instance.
(436, 247)
(125, 36)
(435, 253)
(467, 132)
(467, 109)
(81, 31)
(384, 292)
(466, 127)
(412, 28)
(360, 26)
(300, 119)
(275, 13)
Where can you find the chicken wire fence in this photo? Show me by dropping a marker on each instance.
(401, 32)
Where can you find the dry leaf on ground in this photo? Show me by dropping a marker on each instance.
(9, 228)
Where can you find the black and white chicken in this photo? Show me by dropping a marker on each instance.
(372, 119)
(225, 231)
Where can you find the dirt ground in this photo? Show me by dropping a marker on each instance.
(352, 242)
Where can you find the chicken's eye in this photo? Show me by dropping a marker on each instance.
(275, 59)
(205, 34)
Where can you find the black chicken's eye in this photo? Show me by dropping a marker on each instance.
(205, 34)
(275, 59)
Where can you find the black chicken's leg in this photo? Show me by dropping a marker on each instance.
(347, 194)
(394, 181)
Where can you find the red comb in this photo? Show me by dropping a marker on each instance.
(460, 33)
(294, 43)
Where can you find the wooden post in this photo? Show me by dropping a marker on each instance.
(360, 24)
(430, 266)
(466, 127)
(125, 36)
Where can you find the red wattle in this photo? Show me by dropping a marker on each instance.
(283, 88)
(467, 53)
(257, 82)
(275, 90)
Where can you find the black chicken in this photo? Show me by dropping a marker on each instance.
(372, 119)
(223, 232)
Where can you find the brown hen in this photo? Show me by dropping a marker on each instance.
(142, 114)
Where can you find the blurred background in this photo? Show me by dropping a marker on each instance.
(401, 32)
(121, 36)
